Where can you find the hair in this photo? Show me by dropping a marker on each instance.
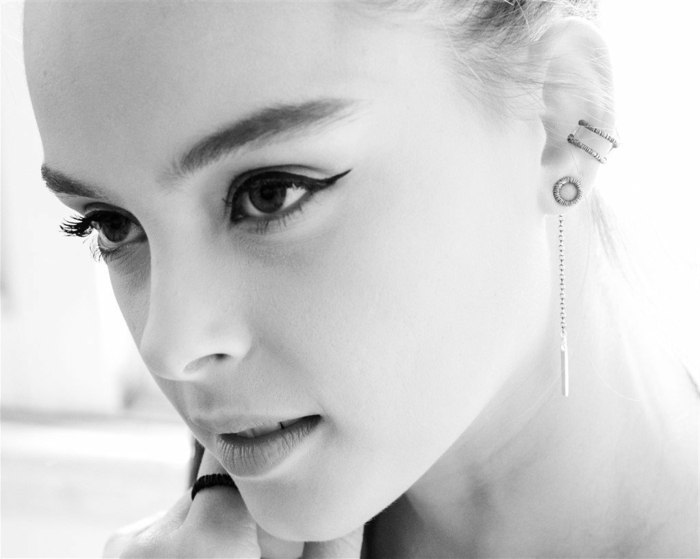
(488, 41)
(488, 38)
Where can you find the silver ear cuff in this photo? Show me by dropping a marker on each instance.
(572, 139)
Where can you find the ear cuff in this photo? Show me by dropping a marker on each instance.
(572, 139)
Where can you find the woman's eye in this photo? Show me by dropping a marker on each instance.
(114, 228)
(274, 195)
(264, 198)
(270, 198)
(115, 231)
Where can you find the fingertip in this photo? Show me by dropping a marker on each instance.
(178, 512)
(219, 516)
(218, 507)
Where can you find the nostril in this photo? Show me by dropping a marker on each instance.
(202, 362)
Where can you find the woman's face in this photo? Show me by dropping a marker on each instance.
(394, 303)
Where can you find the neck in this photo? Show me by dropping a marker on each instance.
(610, 470)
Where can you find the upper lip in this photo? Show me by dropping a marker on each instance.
(222, 424)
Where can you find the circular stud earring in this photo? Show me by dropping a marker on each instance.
(567, 191)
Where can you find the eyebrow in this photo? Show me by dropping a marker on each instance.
(263, 125)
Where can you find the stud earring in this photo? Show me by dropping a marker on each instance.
(565, 197)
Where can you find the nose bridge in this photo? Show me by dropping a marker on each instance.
(195, 316)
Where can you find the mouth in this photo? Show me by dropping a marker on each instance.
(254, 451)
(272, 427)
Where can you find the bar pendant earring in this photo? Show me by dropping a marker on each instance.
(567, 192)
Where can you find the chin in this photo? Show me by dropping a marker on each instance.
(317, 516)
(308, 527)
(297, 533)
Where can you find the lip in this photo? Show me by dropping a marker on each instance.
(221, 424)
(254, 456)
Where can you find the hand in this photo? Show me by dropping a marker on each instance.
(217, 524)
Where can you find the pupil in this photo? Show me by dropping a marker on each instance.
(114, 229)
(268, 198)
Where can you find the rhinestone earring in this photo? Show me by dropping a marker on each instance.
(565, 197)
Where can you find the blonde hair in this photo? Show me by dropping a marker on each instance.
(488, 41)
(488, 37)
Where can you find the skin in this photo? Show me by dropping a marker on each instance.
(414, 305)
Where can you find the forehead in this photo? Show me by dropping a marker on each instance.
(151, 72)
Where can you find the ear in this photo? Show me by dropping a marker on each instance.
(576, 84)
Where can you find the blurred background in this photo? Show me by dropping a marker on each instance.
(89, 443)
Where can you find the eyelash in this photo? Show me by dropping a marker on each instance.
(82, 226)
(290, 180)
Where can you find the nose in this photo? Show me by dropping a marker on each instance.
(195, 318)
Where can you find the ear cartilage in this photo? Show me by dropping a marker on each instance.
(572, 139)
(602, 134)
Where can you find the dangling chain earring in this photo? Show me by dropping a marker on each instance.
(562, 313)
(569, 199)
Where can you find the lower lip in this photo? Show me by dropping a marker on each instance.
(254, 456)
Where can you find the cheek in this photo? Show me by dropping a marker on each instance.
(392, 323)
(408, 291)
(132, 291)
(400, 318)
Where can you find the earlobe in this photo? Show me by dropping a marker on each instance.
(576, 87)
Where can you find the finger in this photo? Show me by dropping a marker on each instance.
(220, 515)
(118, 541)
(176, 515)
(220, 507)
(173, 517)
(347, 547)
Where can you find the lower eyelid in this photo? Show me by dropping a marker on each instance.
(313, 185)
(117, 253)
(284, 220)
